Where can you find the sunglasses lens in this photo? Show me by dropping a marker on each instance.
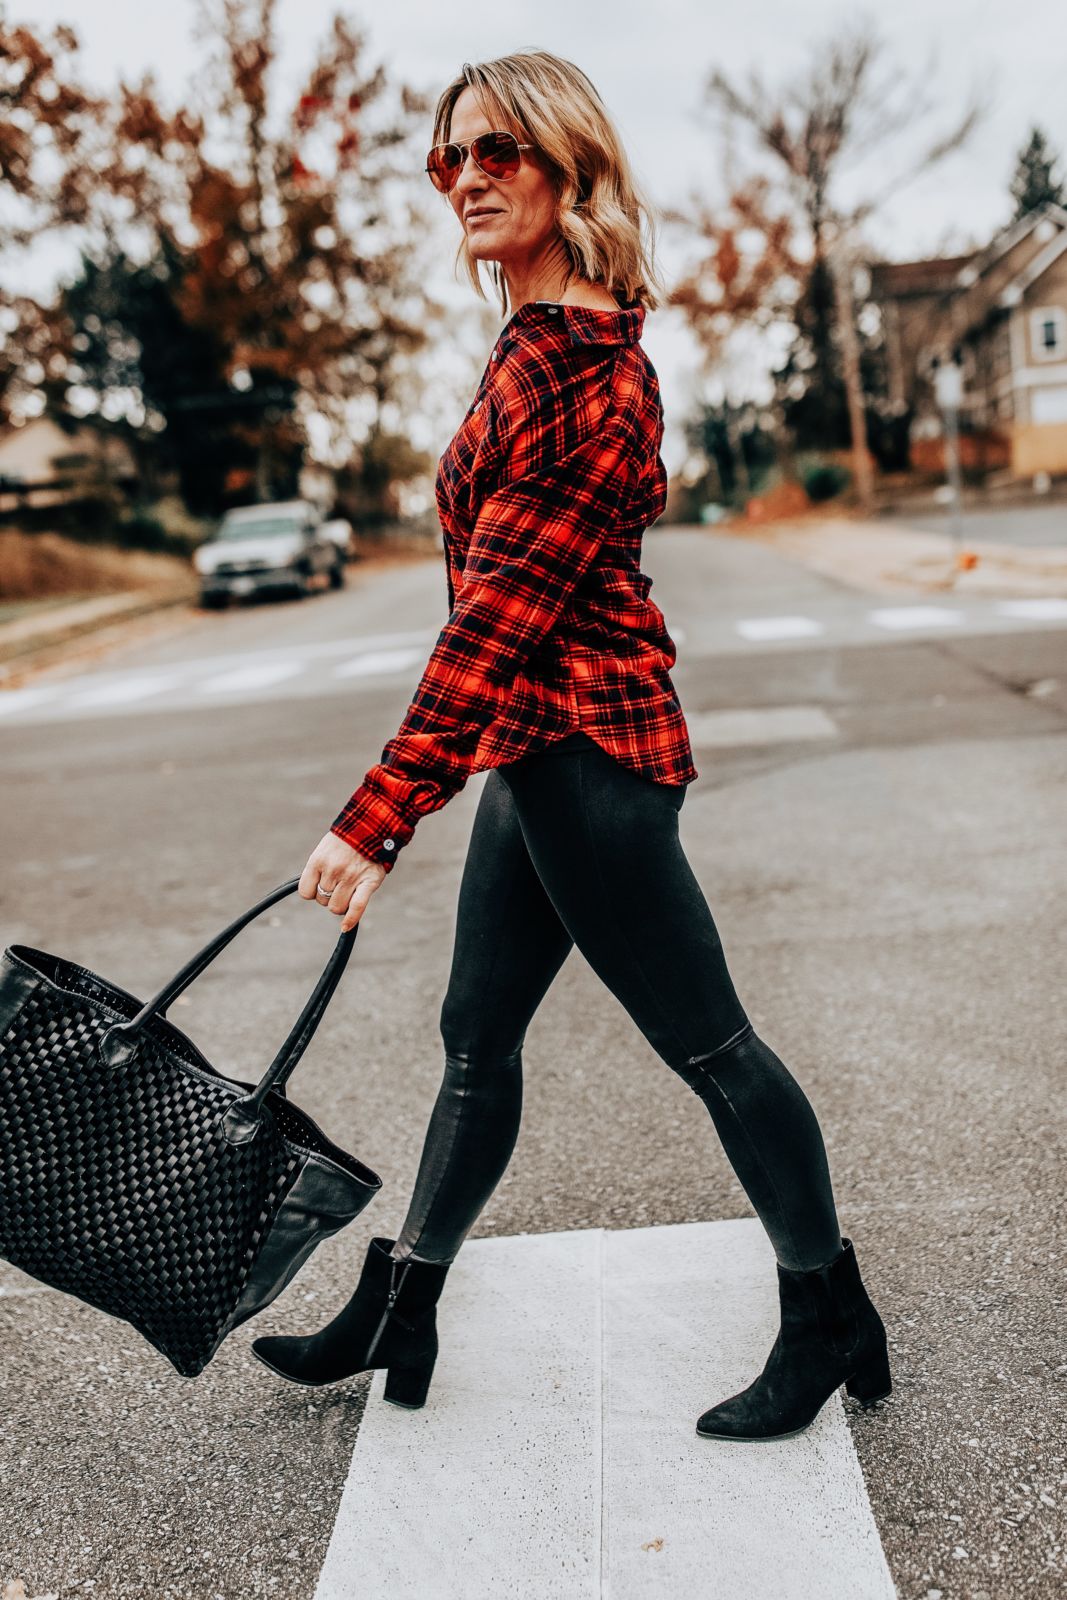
(444, 164)
(497, 154)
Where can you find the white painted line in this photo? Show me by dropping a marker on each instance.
(492, 1490)
(690, 1313)
(1041, 608)
(307, 651)
(377, 661)
(915, 617)
(779, 628)
(557, 1455)
(254, 676)
(767, 725)
(22, 699)
(122, 691)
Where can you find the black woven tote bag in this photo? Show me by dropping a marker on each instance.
(140, 1179)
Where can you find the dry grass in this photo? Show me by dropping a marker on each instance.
(45, 566)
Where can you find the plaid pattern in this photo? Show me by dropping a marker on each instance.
(543, 495)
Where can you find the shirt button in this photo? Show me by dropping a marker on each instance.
(388, 844)
(496, 355)
(552, 310)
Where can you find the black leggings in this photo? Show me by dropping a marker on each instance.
(569, 847)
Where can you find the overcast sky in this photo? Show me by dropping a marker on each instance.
(650, 62)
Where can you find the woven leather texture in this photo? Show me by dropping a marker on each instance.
(117, 1185)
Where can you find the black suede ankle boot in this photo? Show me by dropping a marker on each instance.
(390, 1321)
(830, 1334)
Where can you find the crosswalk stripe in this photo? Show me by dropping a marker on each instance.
(779, 627)
(257, 675)
(1034, 608)
(491, 1490)
(123, 691)
(690, 1313)
(914, 617)
(24, 699)
(763, 725)
(372, 662)
(557, 1455)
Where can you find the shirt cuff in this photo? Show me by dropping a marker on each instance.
(372, 827)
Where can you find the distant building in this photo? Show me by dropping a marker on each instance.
(1002, 312)
(45, 464)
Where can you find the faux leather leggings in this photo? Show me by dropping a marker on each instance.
(569, 847)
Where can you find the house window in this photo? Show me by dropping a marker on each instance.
(1048, 333)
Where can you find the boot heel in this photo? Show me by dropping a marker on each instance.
(408, 1386)
(871, 1382)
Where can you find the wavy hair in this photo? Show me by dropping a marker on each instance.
(603, 221)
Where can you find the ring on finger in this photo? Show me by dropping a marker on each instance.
(326, 892)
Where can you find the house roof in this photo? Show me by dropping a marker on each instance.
(945, 274)
(1013, 292)
(1015, 232)
(937, 275)
(968, 286)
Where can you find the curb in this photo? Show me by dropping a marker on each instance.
(25, 642)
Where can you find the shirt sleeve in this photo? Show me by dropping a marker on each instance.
(534, 538)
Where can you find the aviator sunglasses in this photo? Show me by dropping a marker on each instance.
(497, 154)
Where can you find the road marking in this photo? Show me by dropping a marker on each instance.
(493, 1487)
(122, 691)
(915, 617)
(765, 725)
(556, 1457)
(779, 627)
(257, 675)
(24, 699)
(219, 679)
(690, 1314)
(1039, 608)
(376, 661)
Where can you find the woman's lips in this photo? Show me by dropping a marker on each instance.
(481, 216)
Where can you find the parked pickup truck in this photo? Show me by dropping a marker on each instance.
(269, 548)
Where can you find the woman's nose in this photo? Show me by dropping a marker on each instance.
(470, 174)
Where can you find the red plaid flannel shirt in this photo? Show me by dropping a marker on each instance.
(543, 495)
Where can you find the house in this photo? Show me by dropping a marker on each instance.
(44, 463)
(1001, 313)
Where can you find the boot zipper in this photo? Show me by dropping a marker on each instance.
(394, 1289)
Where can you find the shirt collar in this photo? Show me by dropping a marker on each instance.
(584, 324)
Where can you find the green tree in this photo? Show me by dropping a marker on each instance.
(1034, 182)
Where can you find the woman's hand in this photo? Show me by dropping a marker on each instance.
(335, 865)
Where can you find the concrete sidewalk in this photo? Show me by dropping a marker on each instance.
(873, 557)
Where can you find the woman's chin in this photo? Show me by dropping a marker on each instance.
(481, 250)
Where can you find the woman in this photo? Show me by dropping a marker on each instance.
(553, 671)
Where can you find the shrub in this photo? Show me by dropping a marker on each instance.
(824, 481)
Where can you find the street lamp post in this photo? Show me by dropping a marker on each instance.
(948, 388)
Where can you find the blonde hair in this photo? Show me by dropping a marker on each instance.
(603, 220)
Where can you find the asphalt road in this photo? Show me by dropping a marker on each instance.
(890, 891)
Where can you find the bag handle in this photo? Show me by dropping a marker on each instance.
(119, 1045)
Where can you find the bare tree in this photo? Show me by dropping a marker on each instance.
(851, 102)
